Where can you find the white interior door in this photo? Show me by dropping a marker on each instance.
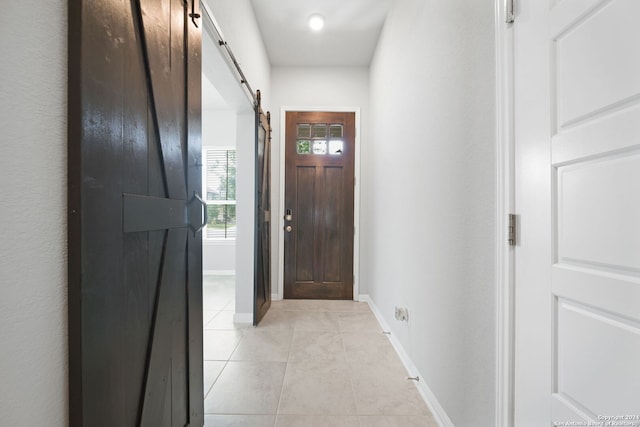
(577, 161)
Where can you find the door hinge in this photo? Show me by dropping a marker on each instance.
(512, 230)
(509, 11)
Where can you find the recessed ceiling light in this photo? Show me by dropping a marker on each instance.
(316, 22)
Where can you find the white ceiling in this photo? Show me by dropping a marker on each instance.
(349, 37)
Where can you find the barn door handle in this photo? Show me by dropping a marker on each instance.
(205, 213)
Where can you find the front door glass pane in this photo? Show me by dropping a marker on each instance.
(336, 146)
(335, 131)
(304, 146)
(320, 131)
(304, 131)
(319, 147)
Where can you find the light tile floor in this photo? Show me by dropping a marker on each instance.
(308, 364)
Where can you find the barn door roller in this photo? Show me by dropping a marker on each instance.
(194, 15)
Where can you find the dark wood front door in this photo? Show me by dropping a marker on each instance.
(135, 250)
(319, 229)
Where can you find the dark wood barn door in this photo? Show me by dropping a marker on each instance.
(262, 296)
(135, 251)
(319, 189)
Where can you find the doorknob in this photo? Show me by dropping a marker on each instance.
(288, 228)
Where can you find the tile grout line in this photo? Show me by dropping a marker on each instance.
(216, 379)
(286, 369)
(346, 358)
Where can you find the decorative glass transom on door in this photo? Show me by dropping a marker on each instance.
(320, 139)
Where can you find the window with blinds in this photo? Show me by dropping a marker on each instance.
(219, 182)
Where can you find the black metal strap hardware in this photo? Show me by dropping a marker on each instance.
(205, 214)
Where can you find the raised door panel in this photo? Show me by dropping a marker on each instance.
(597, 355)
(598, 211)
(304, 233)
(595, 67)
(333, 249)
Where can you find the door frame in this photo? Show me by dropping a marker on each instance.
(505, 204)
(281, 194)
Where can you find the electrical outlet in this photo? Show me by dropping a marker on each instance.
(402, 314)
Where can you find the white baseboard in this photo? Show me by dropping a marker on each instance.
(437, 410)
(243, 318)
(275, 297)
(219, 272)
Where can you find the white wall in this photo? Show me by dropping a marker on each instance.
(428, 185)
(311, 87)
(218, 130)
(33, 200)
